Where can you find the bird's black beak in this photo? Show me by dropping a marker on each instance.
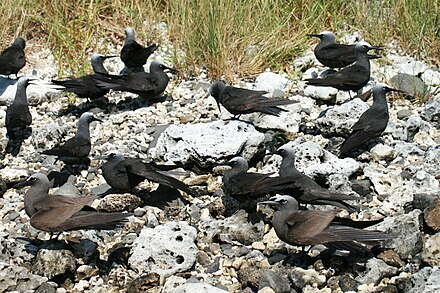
(96, 119)
(170, 69)
(109, 56)
(376, 48)
(314, 35)
(374, 56)
(389, 89)
(271, 203)
(22, 184)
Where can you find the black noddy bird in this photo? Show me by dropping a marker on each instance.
(78, 147)
(18, 118)
(306, 190)
(133, 54)
(351, 78)
(57, 213)
(239, 182)
(314, 227)
(240, 101)
(147, 85)
(85, 87)
(372, 122)
(123, 174)
(334, 55)
(13, 59)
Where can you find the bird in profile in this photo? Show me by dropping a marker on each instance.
(123, 174)
(334, 55)
(306, 190)
(371, 123)
(57, 213)
(240, 101)
(77, 148)
(133, 54)
(18, 118)
(314, 227)
(13, 59)
(351, 78)
(85, 87)
(148, 86)
(239, 182)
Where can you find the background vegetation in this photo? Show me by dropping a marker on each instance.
(230, 37)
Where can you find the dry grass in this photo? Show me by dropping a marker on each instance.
(228, 37)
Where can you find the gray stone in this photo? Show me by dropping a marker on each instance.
(197, 287)
(270, 82)
(17, 278)
(36, 92)
(402, 114)
(119, 202)
(287, 121)
(382, 152)
(426, 280)
(51, 263)
(431, 109)
(207, 144)
(410, 84)
(376, 269)
(339, 119)
(166, 249)
(322, 93)
(431, 78)
(406, 229)
(431, 250)
(408, 65)
(238, 228)
(273, 280)
(301, 277)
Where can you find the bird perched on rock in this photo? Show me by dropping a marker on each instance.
(85, 87)
(133, 54)
(318, 227)
(57, 213)
(77, 148)
(239, 182)
(123, 174)
(18, 118)
(240, 101)
(351, 78)
(334, 55)
(13, 59)
(147, 85)
(306, 190)
(372, 122)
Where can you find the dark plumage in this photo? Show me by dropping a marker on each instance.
(133, 54)
(123, 174)
(243, 101)
(79, 146)
(334, 55)
(306, 190)
(351, 78)
(318, 227)
(56, 213)
(18, 119)
(372, 122)
(147, 85)
(85, 87)
(239, 182)
(12, 59)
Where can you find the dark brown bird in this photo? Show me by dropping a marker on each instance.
(306, 190)
(56, 213)
(239, 182)
(334, 55)
(351, 78)
(318, 227)
(18, 119)
(78, 147)
(240, 101)
(123, 174)
(13, 59)
(148, 86)
(133, 54)
(85, 87)
(372, 122)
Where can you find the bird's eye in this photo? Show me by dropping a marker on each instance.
(33, 179)
(112, 155)
(283, 201)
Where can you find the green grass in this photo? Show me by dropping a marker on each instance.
(230, 38)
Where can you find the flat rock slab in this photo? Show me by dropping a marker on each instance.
(166, 249)
(207, 144)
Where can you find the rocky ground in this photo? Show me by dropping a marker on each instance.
(209, 244)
